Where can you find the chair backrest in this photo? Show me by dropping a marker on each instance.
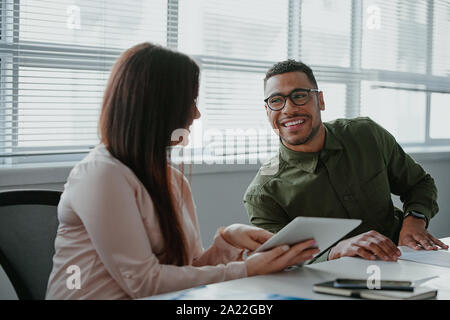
(28, 225)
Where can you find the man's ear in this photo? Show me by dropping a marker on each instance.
(321, 101)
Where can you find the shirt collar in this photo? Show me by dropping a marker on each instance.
(307, 161)
(331, 142)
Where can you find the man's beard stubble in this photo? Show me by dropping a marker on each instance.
(308, 138)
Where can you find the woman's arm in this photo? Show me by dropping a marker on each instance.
(106, 203)
(219, 252)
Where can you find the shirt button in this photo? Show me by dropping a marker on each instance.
(127, 275)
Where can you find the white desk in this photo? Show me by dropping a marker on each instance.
(299, 282)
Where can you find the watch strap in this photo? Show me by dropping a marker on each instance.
(418, 215)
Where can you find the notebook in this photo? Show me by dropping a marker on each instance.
(419, 293)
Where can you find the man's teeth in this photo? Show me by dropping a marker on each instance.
(293, 123)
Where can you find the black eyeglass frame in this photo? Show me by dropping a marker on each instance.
(308, 90)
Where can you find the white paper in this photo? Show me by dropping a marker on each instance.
(437, 258)
(215, 293)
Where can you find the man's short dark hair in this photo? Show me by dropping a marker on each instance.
(290, 65)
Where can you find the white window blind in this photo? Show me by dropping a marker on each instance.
(387, 59)
(55, 61)
(395, 35)
(326, 32)
(235, 42)
(441, 38)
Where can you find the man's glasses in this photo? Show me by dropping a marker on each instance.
(299, 97)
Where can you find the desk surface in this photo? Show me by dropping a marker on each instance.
(299, 282)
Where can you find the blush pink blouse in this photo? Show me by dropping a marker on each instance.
(109, 230)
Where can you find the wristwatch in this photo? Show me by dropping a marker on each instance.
(418, 215)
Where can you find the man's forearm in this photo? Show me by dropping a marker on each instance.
(422, 198)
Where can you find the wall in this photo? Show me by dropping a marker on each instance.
(218, 197)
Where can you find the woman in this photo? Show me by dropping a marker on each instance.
(127, 218)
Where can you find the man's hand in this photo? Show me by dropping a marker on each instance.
(414, 235)
(369, 245)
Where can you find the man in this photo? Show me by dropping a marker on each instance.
(347, 168)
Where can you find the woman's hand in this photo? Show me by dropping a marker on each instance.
(280, 258)
(244, 236)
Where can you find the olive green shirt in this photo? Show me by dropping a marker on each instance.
(352, 177)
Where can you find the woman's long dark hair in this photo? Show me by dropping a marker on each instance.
(151, 92)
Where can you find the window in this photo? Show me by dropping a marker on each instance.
(387, 59)
(335, 100)
(395, 35)
(440, 115)
(248, 30)
(235, 42)
(401, 112)
(326, 33)
(55, 61)
(405, 68)
(441, 43)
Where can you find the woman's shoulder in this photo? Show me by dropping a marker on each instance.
(177, 174)
(100, 164)
(179, 180)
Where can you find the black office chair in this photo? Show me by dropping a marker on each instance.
(28, 225)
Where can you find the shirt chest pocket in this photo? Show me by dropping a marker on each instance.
(376, 193)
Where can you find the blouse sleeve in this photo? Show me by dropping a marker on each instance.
(220, 252)
(106, 203)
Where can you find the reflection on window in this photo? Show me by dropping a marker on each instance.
(395, 35)
(233, 117)
(441, 38)
(231, 102)
(401, 112)
(58, 107)
(334, 96)
(250, 29)
(96, 23)
(440, 116)
(326, 32)
(232, 99)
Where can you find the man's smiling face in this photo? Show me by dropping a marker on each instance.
(297, 125)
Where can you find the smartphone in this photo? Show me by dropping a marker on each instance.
(384, 284)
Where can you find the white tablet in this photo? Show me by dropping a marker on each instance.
(326, 231)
